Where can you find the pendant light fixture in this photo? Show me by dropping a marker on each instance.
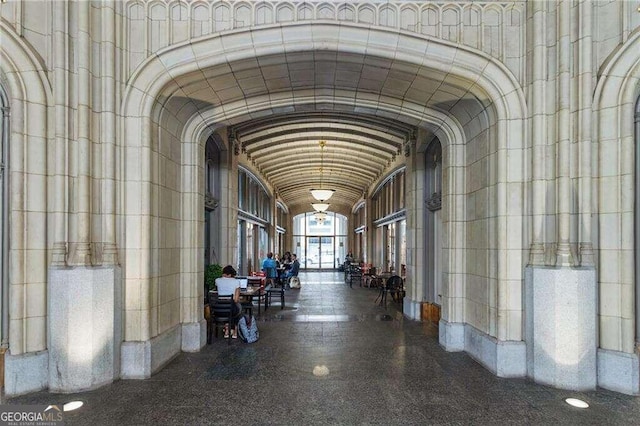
(320, 217)
(321, 194)
(320, 207)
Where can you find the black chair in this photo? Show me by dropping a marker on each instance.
(370, 277)
(347, 269)
(271, 291)
(393, 285)
(222, 313)
(271, 277)
(355, 274)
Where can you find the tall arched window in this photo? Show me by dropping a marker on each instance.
(254, 220)
(389, 219)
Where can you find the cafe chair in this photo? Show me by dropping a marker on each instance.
(247, 307)
(221, 315)
(355, 275)
(393, 285)
(271, 277)
(277, 291)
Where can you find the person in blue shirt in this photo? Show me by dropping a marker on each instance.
(269, 266)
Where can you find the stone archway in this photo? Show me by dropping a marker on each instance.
(166, 76)
(616, 94)
(28, 95)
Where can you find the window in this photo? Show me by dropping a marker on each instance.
(319, 244)
(252, 196)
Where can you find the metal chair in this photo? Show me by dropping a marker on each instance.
(271, 276)
(393, 285)
(355, 274)
(222, 314)
(273, 290)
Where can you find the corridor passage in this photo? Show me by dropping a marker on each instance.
(334, 357)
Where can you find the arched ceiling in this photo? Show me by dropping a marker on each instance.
(286, 150)
(364, 106)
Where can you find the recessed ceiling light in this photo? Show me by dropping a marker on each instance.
(575, 402)
(73, 405)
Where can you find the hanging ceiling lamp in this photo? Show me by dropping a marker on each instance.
(322, 194)
(320, 207)
(320, 216)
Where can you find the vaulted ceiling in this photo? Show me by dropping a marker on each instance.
(364, 106)
(286, 149)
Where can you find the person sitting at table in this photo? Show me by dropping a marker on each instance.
(295, 267)
(286, 260)
(228, 285)
(269, 267)
(349, 257)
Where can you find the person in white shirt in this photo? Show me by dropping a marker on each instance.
(228, 285)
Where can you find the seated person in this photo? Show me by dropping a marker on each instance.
(286, 260)
(228, 285)
(349, 257)
(295, 267)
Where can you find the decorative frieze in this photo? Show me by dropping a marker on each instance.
(495, 27)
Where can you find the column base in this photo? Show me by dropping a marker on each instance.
(411, 309)
(451, 336)
(619, 371)
(560, 327)
(141, 359)
(84, 327)
(194, 336)
(504, 359)
(26, 373)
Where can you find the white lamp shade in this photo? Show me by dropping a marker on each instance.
(322, 194)
(320, 207)
(320, 216)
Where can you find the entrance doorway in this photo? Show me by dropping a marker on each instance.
(319, 244)
(321, 252)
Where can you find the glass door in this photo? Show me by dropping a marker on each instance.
(327, 253)
(312, 257)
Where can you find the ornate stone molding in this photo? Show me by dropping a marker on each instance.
(434, 202)
(233, 142)
(495, 27)
(210, 203)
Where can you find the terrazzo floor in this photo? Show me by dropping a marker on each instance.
(334, 357)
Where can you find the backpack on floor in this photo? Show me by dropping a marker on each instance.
(294, 282)
(248, 329)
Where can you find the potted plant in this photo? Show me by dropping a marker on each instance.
(211, 272)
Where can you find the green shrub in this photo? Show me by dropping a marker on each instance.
(211, 272)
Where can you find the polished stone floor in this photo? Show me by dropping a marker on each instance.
(334, 357)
